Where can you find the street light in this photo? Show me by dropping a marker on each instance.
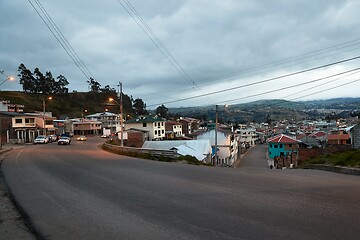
(44, 125)
(121, 120)
(8, 78)
(82, 121)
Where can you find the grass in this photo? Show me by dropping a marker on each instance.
(349, 158)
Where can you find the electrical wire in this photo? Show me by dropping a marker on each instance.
(156, 41)
(58, 38)
(63, 38)
(291, 59)
(260, 82)
(289, 87)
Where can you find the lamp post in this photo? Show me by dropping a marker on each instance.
(44, 109)
(82, 121)
(121, 119)
(8, 78)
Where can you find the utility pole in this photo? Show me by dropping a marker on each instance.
(216, 131)
(121, 114)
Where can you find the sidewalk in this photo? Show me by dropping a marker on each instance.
(12, 225)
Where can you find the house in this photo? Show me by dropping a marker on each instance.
(355, 136)
(174, 128)
(189, 125)
(17, 127)
(339, 137)
(6, 106)
(153, 124)
(247, 136)
(309, 140)
(87, 127)
(108, 120)
(283, 147)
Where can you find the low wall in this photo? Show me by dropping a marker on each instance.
(172, 154)
(337, 169)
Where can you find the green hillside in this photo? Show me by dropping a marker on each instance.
(71, 104)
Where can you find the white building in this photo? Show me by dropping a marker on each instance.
(108, 120)
(247, 136)
(174, 127)
(227, 145)
(153, 124)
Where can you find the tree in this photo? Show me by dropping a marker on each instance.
(26, 79)
(139, 107)
(60, 85)
(108, 90)
(37, 82)
(162, 111)
(94, 85)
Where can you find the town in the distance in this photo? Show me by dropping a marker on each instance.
(217, 135)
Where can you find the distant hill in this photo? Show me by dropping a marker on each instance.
(73, 105)
(277, 109)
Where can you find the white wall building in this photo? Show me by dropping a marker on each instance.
(247, 136)
(153, 124)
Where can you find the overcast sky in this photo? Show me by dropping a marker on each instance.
(206, 46)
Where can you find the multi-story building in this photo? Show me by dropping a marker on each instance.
(247, 136)
(174, 128)
(108, 120)
(153, 124)
(87, 127)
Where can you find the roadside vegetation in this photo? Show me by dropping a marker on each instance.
(350, 158)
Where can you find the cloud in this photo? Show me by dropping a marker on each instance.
(218, 44)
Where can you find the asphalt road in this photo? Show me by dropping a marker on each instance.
(82, 192)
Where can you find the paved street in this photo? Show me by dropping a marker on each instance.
(255, 158)
(81, 192)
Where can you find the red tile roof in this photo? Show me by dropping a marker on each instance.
(281, 138)
(318, 134)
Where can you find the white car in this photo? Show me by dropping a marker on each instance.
(41, 139)
(64, 141)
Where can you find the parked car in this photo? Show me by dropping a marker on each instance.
(104, 136)
(41, 139)
(81, 138)
(64, 141)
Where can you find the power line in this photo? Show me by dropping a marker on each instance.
(157, 42)
(320, 85)
(281, 62)
(262, 81)
(291, 59)
(63, 38)
(289, 87)
(58, 38)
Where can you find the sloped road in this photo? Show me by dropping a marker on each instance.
(82, 192)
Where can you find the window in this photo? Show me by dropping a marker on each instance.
(144, 125)
(275, 146)
(18, 120)
(280, 146)
(162, 131)
(155, 132)
(29, 120)
(290, 145)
